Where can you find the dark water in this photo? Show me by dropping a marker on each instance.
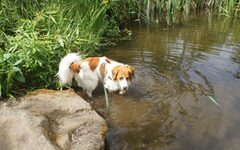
(186, 94)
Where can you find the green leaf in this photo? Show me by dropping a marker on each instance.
(20, 77)
(39, 63)
(17, 62)
(6, 56)
(60, 40)
(53, 19)
(16, 69)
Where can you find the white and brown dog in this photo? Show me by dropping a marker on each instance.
(89, 72)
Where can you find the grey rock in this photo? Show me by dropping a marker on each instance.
(47, 119)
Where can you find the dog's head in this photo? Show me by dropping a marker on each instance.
(123, 74)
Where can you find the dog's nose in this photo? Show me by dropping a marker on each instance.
(124, 88)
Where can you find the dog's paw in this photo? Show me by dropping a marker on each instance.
(121, 92)
(89, 94)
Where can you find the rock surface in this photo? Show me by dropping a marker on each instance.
(47, 119)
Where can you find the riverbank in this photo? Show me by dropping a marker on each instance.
(48, 119)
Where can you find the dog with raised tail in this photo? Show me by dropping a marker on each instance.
(89, 72)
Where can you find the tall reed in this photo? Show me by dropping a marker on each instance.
(153, 10)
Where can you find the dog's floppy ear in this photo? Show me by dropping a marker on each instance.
(131, 71)
(75, 67)
(115, 71)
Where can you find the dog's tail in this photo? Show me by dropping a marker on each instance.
(69, 65)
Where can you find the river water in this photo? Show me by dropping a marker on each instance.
(186, 94)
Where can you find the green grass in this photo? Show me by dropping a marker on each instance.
(35, 35)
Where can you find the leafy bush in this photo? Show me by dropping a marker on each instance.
(33, 42)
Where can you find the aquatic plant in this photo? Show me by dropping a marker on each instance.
(154, 10)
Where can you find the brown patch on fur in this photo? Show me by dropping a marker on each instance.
(93, 62)
(120, 72)
(75, 68)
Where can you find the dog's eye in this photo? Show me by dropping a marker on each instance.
(127, 78)
(121, 78)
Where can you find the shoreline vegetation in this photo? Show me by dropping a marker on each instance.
(36, 34)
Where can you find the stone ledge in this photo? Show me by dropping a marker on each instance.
(48, 119)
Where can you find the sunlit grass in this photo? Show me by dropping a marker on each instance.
(35, 35)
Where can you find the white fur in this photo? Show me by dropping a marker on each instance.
(88, 79)
(64, 74)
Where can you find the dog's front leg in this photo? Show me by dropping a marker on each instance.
(89, 93)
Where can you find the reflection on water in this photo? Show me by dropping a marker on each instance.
(179, 70)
